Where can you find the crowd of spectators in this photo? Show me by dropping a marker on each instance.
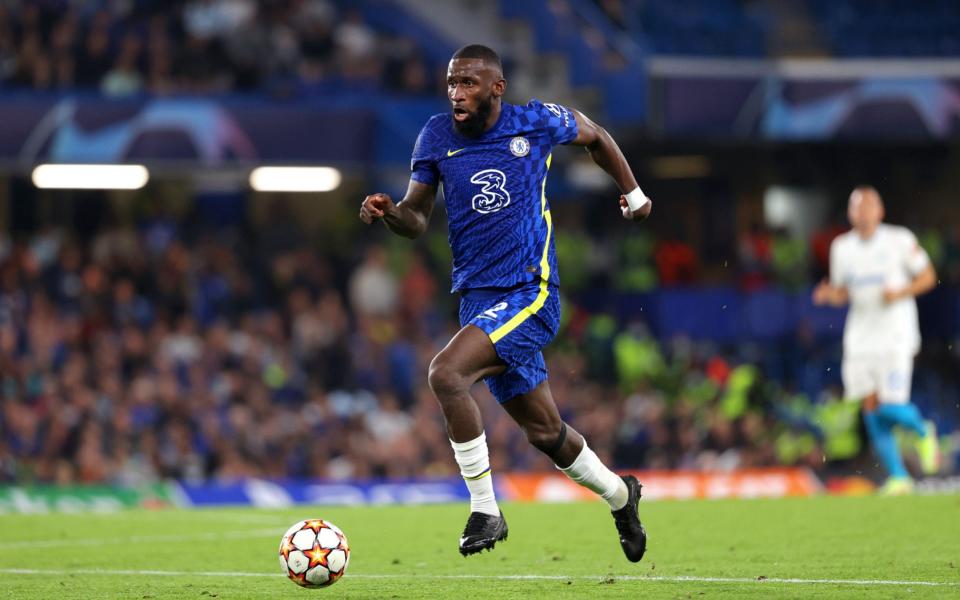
(282, 47)
(760, 257)
(156, 349)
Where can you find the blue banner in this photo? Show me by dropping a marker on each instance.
(282, 493)
(206, 131)
(806, 108)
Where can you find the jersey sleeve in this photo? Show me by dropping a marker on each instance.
(558, 121)
(423, 164)
(915, 258)
(836, 264)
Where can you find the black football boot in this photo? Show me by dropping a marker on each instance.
(482, 532)
(633, 538)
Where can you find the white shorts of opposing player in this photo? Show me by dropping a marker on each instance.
(888, 375)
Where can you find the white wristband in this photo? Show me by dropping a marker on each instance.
(636, 199)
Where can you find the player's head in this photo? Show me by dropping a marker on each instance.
(865, 209)
(475, 84)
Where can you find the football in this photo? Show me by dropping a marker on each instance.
(314, 553)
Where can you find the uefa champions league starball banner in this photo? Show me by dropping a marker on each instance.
(207, 131)
(805, 99)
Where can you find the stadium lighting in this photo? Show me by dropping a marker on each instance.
(90, 177)
(295, 179)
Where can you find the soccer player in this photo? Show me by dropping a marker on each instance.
(491, 159)
(879, 269)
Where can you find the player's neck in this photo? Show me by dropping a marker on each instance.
(866, 233)
(496, 107)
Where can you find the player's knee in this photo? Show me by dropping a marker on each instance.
(543, 436)
(444, 379)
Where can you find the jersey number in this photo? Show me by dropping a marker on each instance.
(493, 195)
(491, 313)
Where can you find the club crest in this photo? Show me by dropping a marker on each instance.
(520, 146)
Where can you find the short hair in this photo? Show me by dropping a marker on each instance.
(485, 53)
(868, 189)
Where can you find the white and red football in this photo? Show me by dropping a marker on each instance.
(314, 553)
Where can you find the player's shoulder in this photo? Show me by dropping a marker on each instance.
(546, 110)
(897, 231)
(899, 237)
(437, 124)
(434, 134)
(844, 239)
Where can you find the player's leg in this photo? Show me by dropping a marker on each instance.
(895, 406)
(880, 430)
(468, 357)
(537, 415)
(862, 377)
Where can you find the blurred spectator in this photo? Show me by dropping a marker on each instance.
(789, 262)
(373, 288)
(124, 78)
(204, 46)
(94, 59)
(676, 261)
(755, 254)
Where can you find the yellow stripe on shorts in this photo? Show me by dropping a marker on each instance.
(531, 309)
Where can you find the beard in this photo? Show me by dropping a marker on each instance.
(476, 122)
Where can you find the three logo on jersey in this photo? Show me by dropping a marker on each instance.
(493, 194)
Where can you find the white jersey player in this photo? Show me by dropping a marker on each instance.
(879, 269)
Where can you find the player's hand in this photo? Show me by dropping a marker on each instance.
(890, 295)
(375, 206)
(637, 215)
(822, 293)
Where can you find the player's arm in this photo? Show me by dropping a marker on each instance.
(827, 293)
(922, 283)
(917, 263)
(606, 153)
(409, 217)
(831, 291)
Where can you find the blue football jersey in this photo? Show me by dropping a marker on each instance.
(494, 189)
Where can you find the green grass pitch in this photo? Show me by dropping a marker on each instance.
(823, 547)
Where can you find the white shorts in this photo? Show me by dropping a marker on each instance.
(887, 375)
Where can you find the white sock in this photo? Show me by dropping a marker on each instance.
(588, 471)
(474, 461)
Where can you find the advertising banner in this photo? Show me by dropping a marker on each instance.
(50, 498)
(279, 494)
(674, 485)
(262, 493)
